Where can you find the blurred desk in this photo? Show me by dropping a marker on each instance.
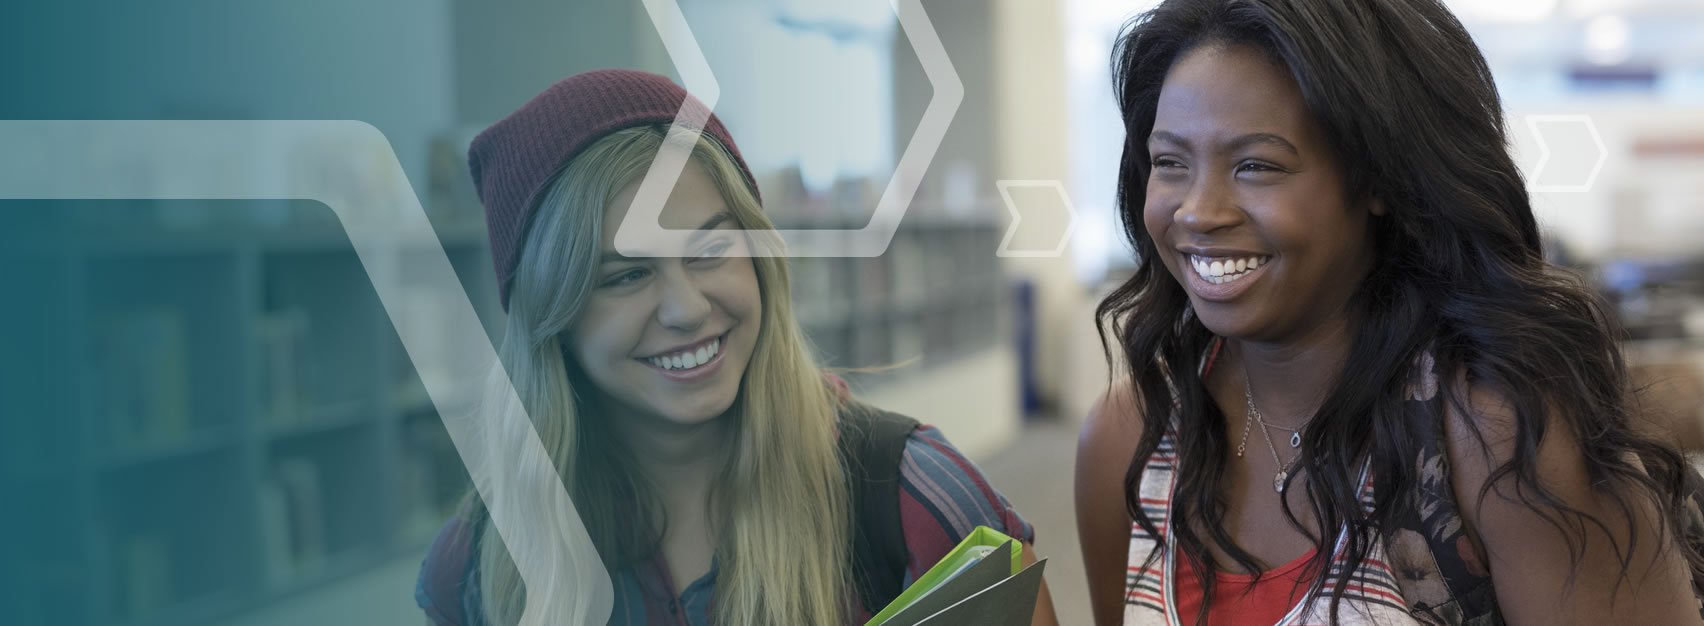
(1670, 373)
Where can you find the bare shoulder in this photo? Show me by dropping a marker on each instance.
(1484, 432)
(1541, 573)
(1114, 424)
(1107, 442)
(1481, 425)
(1104, 452)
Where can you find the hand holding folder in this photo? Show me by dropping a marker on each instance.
(980, 582)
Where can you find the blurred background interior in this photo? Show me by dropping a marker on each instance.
(207, 416)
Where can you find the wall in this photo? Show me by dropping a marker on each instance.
(966, 30)
(507, 51)
(385, 62)
(1033, 119)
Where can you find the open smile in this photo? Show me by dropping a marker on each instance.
(692, 362)
(1217, 278)
(1225, 269)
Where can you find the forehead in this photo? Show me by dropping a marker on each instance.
(694, 200)
(1215, 92)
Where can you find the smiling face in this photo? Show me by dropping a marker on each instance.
(1245, 202)
(668, 337)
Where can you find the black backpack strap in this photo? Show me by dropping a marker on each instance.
(872, 443)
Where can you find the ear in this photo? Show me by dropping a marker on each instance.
(1376, 206)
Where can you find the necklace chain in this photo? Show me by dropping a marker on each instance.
(1254, 415)
(1242, 447)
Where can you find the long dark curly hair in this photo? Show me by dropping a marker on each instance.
(1407, 102)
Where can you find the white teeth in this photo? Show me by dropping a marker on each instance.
(688, 359)
(1224, 270)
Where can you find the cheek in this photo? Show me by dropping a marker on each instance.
(1158, 222)
(1322, 225)
(605, 333)
(1158, 206)
(736, 288)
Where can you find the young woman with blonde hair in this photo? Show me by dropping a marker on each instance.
(722, 476)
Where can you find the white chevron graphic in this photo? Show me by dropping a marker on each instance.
(1544, 153)
(1017, 218)
(641, 223)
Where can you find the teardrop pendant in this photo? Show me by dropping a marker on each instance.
(1296, 439)
(1278, 481)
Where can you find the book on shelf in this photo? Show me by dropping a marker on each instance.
(873, 285)
(424, 509)
(811, 293)
(907, 338)
(872, 343)
(277, 555)
(147, 570)
(785, 197)
(293, 520)
(143, 360)
(434, 361)
(279, 335)
(855, 197)
(450, 196)
(907, 260)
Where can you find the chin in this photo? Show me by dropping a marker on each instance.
(694, 413)
(1222, 323)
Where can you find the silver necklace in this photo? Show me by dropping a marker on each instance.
(1295, 433)
(1246, 423)
(1254, 415)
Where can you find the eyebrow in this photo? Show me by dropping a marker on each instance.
(1237, 143)
(715, 221)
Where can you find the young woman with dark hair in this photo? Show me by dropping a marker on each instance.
(1352, 389)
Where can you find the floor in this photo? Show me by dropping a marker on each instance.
(1035, 474)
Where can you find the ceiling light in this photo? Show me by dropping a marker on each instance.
(1607, 37)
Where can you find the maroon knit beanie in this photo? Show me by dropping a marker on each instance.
(514, 160)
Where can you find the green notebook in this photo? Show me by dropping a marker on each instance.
(981, 581)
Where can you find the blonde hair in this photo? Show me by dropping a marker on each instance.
(780, 515)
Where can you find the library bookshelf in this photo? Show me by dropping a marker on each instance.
(208, 410)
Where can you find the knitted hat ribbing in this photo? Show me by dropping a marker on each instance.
(513, 161)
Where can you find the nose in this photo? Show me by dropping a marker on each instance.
(1207, 208)
(683, 305)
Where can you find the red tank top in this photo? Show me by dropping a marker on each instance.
(1235, 601)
